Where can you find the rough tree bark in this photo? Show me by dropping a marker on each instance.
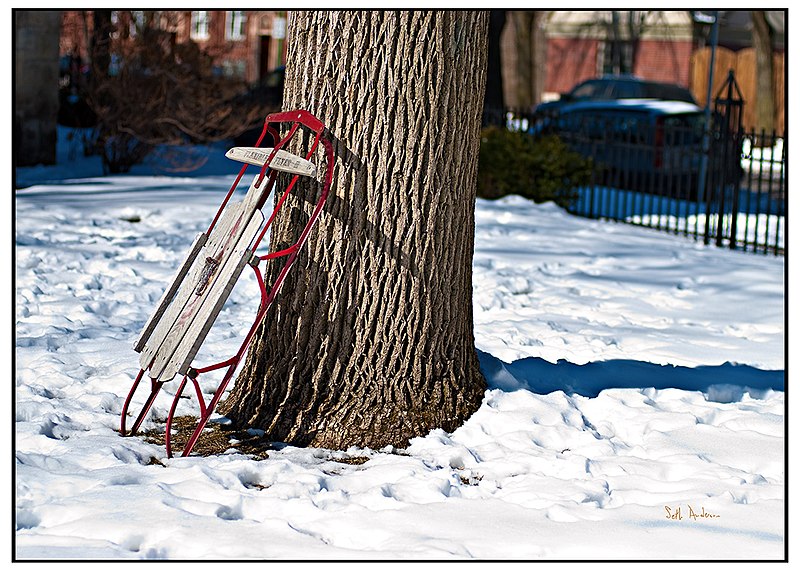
(371, 341)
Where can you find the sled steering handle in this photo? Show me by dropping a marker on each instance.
(299, 116)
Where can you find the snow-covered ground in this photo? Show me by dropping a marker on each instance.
(635, 407)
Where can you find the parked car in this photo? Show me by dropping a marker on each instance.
(613, 87)
(647, 145)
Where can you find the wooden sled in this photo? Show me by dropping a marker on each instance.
(186, 312)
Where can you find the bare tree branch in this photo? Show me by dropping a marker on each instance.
(158, 92)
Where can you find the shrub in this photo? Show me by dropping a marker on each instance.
(541, 169)
(159, 92)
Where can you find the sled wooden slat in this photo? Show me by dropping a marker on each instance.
(282, 161)
(221, 242)
(189, 331)
(169, 294)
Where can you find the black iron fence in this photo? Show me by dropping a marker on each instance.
(665, 171)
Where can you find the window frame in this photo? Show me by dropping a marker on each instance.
(235, 25)
(199, 29)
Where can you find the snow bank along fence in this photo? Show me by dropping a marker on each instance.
(724, 186)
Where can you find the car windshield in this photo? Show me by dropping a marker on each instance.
(626, 90)
(590, 90)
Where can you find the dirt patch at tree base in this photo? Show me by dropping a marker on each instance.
(216, 439)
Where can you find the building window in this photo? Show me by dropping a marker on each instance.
(127, 23)
(137, 21)
(199, 25)
(115, 24)
(235, 25)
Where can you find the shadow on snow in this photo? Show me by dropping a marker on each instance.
(720, 383)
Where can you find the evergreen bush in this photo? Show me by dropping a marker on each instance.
(538, 168)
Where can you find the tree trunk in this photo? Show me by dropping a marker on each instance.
(101, 42)
(636, 21)
(494, 101)
(762, 41)
(370, 342)
(539, 56)
(616, 44)
(36, 86)
(530, 44)
(523, 36)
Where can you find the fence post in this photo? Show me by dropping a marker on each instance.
(701, 182)
(728, 106)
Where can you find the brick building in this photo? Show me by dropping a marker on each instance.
(580, 46)
(245, 44)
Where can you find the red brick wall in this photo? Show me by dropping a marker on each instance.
(242, 52)
(570, 61)
(667, 61)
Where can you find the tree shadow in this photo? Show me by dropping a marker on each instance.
(720, 383)
(348, 206)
